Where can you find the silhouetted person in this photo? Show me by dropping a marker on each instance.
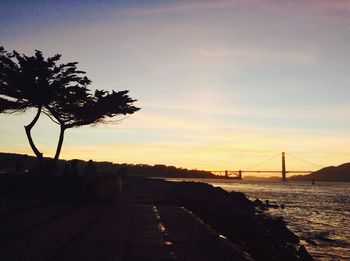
(73, 184)
(123, 172)
(39, 167)
(90, 171)
(19, 167)
(74, 168)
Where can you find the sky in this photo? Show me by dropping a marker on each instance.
(222, 84)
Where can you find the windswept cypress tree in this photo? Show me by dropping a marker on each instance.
(83, 108)
(58, 90)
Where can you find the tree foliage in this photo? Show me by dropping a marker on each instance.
(33, 81)
(79, 109)
(58, 90)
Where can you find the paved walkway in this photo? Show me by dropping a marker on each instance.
(140, 227)
(116, 232)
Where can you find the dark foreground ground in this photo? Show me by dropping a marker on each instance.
(149, 220)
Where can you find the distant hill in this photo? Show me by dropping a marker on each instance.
(10, 162)
(340, 173)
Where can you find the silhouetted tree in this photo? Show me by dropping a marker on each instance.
(85, 109)
(35, 82)
(57, 90)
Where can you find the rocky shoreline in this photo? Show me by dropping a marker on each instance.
(231, 214)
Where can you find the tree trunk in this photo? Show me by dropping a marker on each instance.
(28, 129)
(60, 142)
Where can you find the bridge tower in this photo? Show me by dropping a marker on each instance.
(283, 167)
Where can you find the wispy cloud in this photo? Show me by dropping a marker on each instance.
(256, 54)
(341, 6)
(333, 7)
(324, 112)
(236, 153)
(184, 6)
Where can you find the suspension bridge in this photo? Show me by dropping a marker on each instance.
(238, 174)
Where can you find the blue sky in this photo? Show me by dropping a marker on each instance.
(222, 84)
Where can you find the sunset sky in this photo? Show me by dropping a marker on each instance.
(221, 84)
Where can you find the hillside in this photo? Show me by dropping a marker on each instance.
(340, 173)
(10, 162)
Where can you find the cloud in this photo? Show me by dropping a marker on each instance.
(341, 6)
(328, 12)
(238, 151)
(340, 111)
(256, 54)
(333, 6)
(202, 145)
(184, 6)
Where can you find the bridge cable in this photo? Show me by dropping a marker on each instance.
(264, 161)
(305, 161)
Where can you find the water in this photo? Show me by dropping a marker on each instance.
(319, 214)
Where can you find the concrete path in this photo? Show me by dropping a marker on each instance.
(141, 226)
(135, 232)
(194, 240)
